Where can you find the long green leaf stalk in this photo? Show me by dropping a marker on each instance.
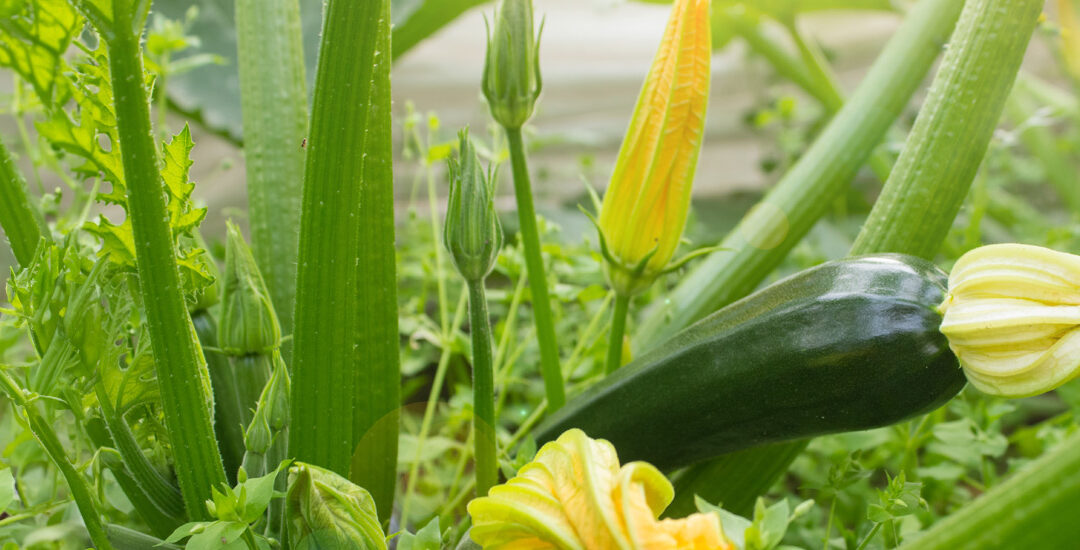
(161, 523)
(345, 355)
(273, 93)
(178, 359)
(43, 432)
(769, 231)
(943, 153)
(21, 221)
(1036, 508)
(487, 463)
(934, 171)
(534, 264)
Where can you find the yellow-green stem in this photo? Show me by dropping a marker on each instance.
(534, 263)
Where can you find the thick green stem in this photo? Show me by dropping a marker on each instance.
(943, 153)
(178, 359)
(159, 490)
(1035, 508)
(487, 463)
(21, 221)
(273, 94)
(764, 237)
(618, 329)
(80, 490)
(534, 263)
(345, 355)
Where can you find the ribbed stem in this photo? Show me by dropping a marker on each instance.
(534, 263)
(345, 356)
(764, 237)
(159, 490)
(487, 463)
(1035, 508)
(618, 330)
(273, 96)
(178, 359)
(80, 490)
(21, 221)
(943, 153)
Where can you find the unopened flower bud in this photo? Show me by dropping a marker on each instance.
(257, 437)
(326, 510)
(275, 397)
(646, 203)
(511, 81)
(472, 234)
(1012, 317)
(248, 321)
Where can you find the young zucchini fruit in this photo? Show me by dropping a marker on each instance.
(848, 345)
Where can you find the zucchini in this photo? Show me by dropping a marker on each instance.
(848, 345)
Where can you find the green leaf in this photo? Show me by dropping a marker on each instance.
(34, 34)
(427, 538)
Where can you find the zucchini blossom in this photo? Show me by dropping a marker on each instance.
(575, 496)
(645, 206)
(1012, 316)
(249, 324)
(511, 81)
(472, 233)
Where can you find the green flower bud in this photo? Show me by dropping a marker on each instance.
(473, 234)
(511, 81)
(257, 437)
(275, 396)
(248, 321)
(326, 510)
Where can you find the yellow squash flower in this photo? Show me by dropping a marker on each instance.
(575, 496)
(645, 205)
(1012, 316)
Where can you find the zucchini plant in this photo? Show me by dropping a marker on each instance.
(167, 384)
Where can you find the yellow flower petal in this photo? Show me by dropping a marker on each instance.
(645, 206)
(575, 495)
(1012, 317)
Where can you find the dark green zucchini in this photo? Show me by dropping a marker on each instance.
(847, 345)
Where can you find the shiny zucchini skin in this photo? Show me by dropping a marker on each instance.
(848, 345)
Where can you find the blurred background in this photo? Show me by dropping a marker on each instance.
(594, 57)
